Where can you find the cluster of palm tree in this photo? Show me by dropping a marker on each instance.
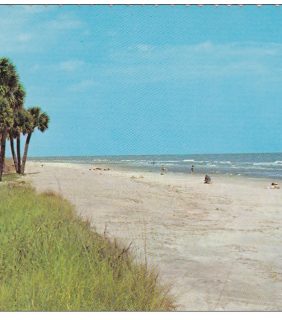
(16, 122)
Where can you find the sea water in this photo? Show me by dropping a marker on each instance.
(263, 165)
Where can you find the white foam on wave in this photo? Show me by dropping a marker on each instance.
(275, 163)
(188, 160)
(223, 162)
(171, 161)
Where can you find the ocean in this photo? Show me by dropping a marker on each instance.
(260, 165)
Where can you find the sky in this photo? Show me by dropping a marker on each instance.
(120, 80)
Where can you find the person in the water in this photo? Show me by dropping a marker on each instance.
(163, 170)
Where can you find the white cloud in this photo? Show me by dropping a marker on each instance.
(148, 63)
(83, 85)
(71, 65)
(26, 29)
(24, 37)
(204, 49)
(144, 47)
(65, 22)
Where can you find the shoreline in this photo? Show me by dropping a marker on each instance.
(217, 244)
(253, 165)
(238, 178)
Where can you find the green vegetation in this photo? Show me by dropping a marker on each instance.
(51, 260)
(10, 177)
(15, 120)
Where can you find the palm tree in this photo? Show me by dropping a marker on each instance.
(6, 120)
(14, 119)
(22, 124)
(9, 85)
(13, 135)
(15, 130)
(39, 120)
(9, 82)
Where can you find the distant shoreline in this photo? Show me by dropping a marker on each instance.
(155, 170)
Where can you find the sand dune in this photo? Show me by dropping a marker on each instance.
(219, 245)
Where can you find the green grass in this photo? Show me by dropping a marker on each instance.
(51, 260)
(10, 177)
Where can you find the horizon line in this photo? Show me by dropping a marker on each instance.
(160, 154)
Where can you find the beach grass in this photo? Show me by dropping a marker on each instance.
(10, 177)
(51, 260)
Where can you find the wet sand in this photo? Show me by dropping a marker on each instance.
(218, 245)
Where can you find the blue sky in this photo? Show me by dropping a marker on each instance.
(149, 80)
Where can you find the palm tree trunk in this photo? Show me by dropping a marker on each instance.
(2, 154)
(25, 152)
(19, 154)
(13, 152)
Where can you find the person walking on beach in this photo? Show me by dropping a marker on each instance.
(192, 169)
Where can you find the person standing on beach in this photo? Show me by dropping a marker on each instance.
(192, 169)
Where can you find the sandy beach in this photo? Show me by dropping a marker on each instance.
(217, 245)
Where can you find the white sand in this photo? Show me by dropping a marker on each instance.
(219, 245)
